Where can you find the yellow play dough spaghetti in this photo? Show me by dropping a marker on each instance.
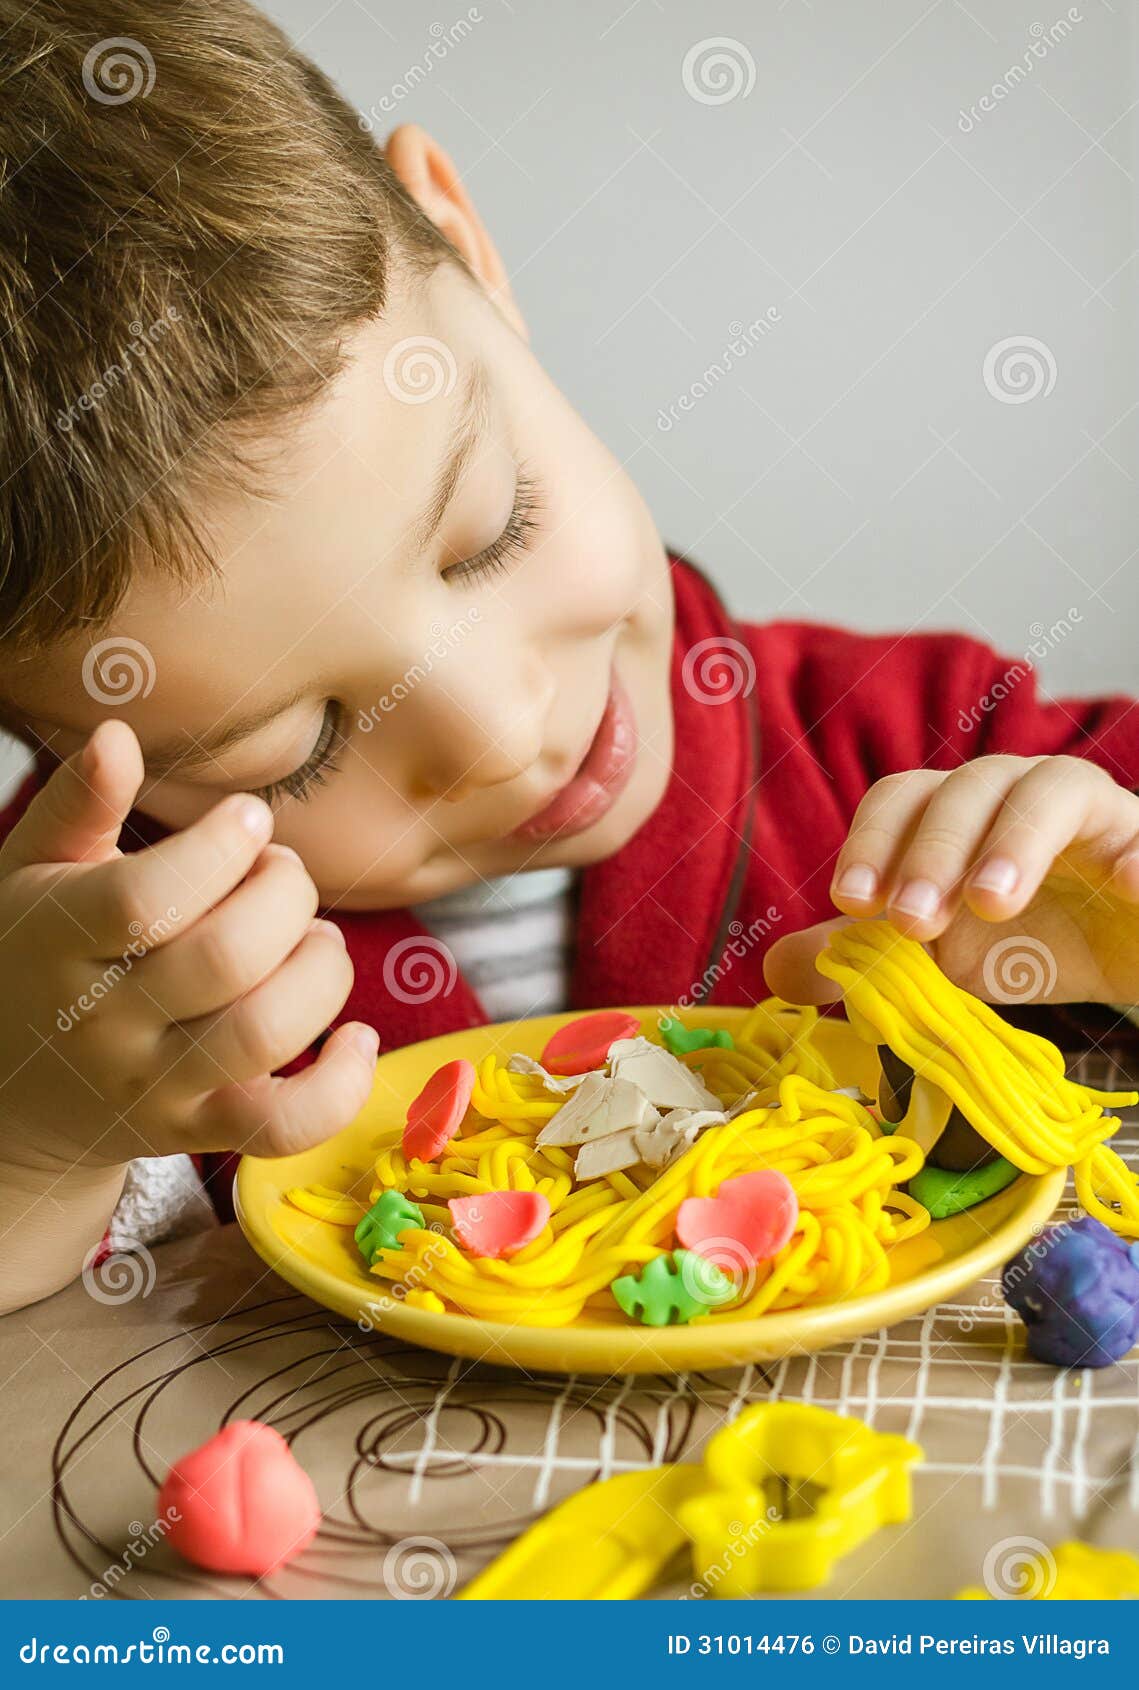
(845, 1172)
(1010, 1085)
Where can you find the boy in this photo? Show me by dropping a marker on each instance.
(316, 594)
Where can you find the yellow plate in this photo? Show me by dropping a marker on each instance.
(322, 1260)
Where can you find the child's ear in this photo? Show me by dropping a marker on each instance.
(430, 177)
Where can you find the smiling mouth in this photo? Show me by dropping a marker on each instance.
(601, 776)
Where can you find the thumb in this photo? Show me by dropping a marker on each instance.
(789, 966)
(77, 815)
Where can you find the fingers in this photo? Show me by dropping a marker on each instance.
(269, 1025)
(882, 823)
(235, 945)
(956, 818)
(1062, 802)
(151, 897)
(789, 966)
(76, 816)
(276, 1117)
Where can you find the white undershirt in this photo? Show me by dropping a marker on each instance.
(511, 938)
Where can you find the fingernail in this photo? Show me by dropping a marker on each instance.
(329, 929)
(253, 816)
(999, 874)
(367, 1042)
(858, 881)
(919, 898)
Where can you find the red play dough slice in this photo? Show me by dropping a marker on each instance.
(437, 1113)
(584, 1044)
(498, 1222)
(241, 1503)
(749, 1220)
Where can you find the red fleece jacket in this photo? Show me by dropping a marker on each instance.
(780, 730)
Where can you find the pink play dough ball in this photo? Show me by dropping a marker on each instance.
(240, 1503)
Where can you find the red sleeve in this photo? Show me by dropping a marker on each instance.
(883, 703)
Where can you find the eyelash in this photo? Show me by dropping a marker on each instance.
(520, 525)
(321, 762)
(493, 560)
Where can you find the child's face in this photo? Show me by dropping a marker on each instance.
(481, 716)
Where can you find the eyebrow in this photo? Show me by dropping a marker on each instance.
(465, 437)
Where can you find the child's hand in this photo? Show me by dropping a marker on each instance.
(1020, 874)
(145, 999)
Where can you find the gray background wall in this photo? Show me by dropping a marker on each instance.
(851, 464)
(816, 169)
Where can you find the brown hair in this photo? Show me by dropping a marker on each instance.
(191, 218)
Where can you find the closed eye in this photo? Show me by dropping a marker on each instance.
(321, 761)
(516, 535)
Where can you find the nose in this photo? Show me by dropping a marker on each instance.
(479, 729)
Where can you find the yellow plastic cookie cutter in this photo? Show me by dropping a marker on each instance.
(782, 1494)
(1073, 1572)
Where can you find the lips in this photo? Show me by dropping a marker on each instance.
(600, 779)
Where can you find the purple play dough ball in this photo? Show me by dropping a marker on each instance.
(1076, 1288)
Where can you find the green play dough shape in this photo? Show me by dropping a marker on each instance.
(681, 1039)
(670, 1289)
(380, 1229)
(945, 1192)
